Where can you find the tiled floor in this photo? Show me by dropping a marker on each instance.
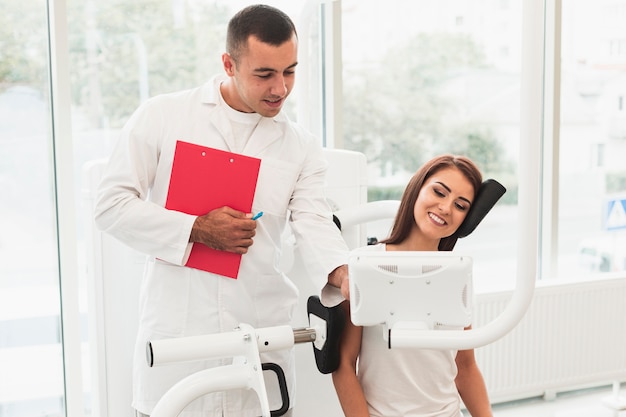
(583, 403)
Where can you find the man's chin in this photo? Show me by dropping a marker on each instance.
(270, 112)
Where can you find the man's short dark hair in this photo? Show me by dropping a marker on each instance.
(268, 24)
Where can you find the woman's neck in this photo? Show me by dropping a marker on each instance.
(415, 242)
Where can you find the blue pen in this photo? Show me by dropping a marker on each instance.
(256, 216)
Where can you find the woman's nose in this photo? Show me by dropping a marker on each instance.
(445, 206)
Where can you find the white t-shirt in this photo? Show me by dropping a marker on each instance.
(242, 125)
(406, 382)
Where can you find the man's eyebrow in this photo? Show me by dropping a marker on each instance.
(268, 69)
(449, 190)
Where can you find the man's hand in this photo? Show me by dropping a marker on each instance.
(339, 278)
(224, 229)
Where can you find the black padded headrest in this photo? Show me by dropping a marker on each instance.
(488, 195)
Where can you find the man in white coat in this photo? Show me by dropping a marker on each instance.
(237, 112)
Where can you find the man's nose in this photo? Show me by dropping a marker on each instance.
(279, 87)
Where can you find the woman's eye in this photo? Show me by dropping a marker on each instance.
(438, 192)
(461, 207)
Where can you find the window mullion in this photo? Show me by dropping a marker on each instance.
(551, 142)
(333, 73)
(65, 206)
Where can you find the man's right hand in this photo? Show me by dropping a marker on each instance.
(224, 229)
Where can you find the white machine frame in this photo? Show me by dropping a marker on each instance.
(244, 345)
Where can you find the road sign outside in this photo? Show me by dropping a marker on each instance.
(615, 214)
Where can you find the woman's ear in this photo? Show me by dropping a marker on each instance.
(487, 196)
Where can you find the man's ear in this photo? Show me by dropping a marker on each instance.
(488, 195)
(228, 64)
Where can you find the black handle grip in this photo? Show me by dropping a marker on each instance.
(327, 358)
(282, 384)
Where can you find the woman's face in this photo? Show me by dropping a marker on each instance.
(443, 203)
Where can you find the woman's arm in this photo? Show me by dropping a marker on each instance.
(471, 385)
(347, 385)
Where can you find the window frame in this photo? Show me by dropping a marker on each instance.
(64, 196)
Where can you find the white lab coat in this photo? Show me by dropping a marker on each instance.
(177, 301)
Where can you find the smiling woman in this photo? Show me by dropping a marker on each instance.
(375, 379)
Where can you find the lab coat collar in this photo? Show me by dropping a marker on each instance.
(268, 130)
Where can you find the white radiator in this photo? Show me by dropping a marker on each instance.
(572, 336)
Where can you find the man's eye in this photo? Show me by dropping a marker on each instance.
(264, 76)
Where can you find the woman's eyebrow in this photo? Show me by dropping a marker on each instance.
(449, 190)
(443, 185)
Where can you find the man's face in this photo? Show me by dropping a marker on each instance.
(262, 78)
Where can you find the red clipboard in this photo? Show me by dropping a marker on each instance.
(204, 179)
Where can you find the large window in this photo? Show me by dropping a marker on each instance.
(438, 77)
(412, 79)
(31, 359)
(591, 237)
(444, 76)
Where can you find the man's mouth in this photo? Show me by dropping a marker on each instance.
(274, 103)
